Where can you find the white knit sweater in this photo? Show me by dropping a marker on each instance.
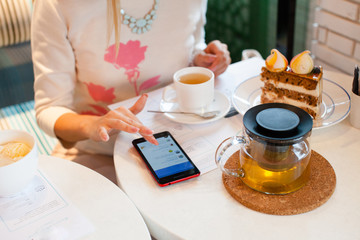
(77, 70)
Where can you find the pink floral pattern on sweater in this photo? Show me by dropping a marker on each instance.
(100, 93)
(129, 56)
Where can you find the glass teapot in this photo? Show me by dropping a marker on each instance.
(274, 156)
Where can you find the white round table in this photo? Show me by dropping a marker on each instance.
(103, 203)
(201, 208)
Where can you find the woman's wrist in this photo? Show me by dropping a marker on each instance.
(72, 127)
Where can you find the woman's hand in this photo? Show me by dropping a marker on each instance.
(71, 127)
(122, 119)
(215, 56)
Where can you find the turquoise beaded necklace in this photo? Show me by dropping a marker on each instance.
(140, 25)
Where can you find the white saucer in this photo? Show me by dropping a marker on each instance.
(221, 103)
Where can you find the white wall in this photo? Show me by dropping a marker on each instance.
(335, 40)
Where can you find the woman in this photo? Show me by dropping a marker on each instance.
(88, 54)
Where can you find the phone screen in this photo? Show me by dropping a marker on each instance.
(167, 161)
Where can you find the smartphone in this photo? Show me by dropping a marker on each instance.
(167, 162)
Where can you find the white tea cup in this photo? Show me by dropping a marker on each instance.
(194, 89)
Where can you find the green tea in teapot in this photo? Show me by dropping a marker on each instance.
(278, 172)
(274, 154)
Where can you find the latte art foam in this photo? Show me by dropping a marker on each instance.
(12, 151)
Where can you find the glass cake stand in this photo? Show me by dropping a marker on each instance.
(335, 104)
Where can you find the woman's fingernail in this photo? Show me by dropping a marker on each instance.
(154, 141)
(212, 57)
(135, 129)
(105, 137)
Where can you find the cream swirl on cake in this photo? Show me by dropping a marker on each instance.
(302, 63)
(276, 62)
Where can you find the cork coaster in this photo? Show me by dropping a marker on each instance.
(316, 192)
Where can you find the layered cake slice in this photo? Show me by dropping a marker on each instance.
(299, 84)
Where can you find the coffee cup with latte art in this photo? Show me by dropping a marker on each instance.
(18, 161)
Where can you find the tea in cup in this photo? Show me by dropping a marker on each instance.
(18, 161)
(194, 89)
(274, 149)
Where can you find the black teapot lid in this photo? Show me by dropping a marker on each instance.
(277, 123)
